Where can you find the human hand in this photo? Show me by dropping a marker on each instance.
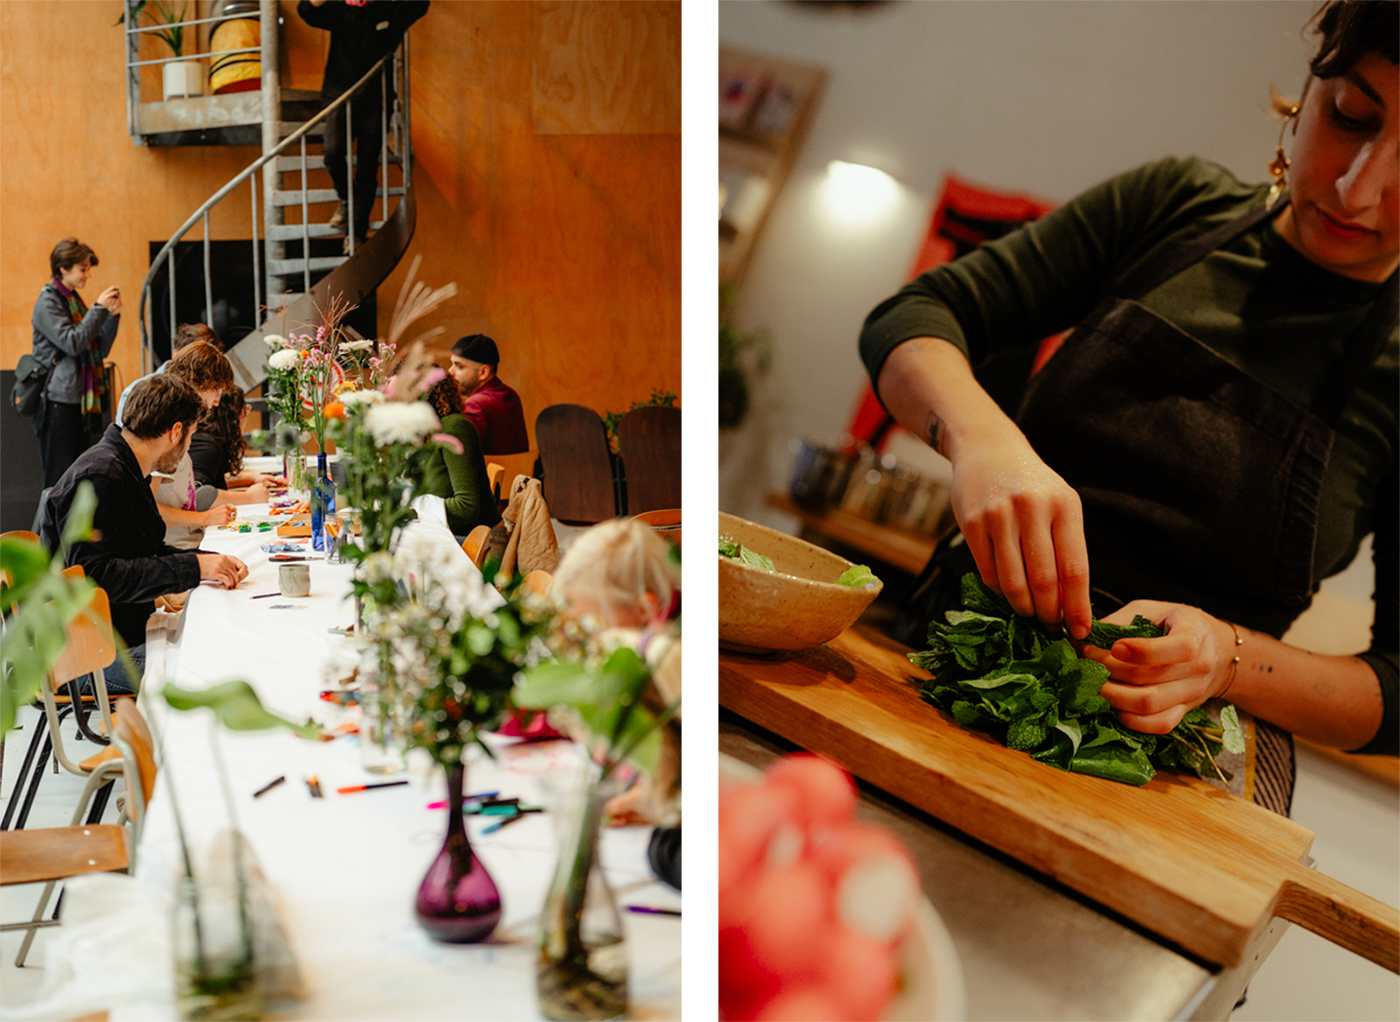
(219, 514)
(111, 300)
(1024, 526)
(1155, 682)
(227, 571)
(256, 494)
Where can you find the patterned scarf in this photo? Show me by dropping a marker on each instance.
(90, 361)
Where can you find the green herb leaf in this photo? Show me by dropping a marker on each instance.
(857, 575)
(1231, 729)
(739, 552)
(236, 706)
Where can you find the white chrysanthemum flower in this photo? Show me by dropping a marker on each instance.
(401, 422)
(357, 346)
(283, 359)
(361, 397)
(275, 341)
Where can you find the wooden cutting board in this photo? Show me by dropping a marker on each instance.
(1194, 864)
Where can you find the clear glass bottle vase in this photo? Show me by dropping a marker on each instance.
(582, 953)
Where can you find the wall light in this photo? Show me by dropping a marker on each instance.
(856, 193)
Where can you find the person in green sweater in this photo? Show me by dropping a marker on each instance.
(459, 479)
(1218, 433)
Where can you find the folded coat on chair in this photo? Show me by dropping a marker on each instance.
(532, 544)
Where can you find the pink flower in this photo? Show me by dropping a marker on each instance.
(434, 374)
(448, 440)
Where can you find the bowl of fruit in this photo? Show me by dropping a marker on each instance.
(778, 592)
(820, 915)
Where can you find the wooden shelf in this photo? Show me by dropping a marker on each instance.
(907, 551)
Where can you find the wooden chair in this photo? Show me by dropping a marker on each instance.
(494, 474)
(538, 581)
(91, 647)
(666, 522)
(649, 442)
(576, 465)
(512, 465)
(474, 546)
(51, 854)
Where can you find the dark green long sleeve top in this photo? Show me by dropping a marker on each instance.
(1257, 302)
(460, 479)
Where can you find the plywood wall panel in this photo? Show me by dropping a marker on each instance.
(559, 220)
(607, 68)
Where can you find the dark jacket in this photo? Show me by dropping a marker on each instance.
(359, 37)
(56, 339)
(130, 558)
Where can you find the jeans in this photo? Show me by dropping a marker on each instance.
(119, 683)
(366, 135)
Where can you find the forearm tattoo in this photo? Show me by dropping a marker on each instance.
(936, 433)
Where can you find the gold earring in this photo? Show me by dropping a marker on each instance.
(1278, 168)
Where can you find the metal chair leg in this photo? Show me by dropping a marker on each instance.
(33, 788)
(37, 919)
(40, 729)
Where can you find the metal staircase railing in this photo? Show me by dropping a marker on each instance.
(354, 276)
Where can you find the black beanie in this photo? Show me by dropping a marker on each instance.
(478, 348)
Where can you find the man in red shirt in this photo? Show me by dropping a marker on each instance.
(493, 408)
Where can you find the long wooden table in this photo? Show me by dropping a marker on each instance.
(1202, 870)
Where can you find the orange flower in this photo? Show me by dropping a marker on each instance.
(334, 410)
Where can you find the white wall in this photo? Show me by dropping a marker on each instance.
(1046, 97)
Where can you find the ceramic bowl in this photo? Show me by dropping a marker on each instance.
(797, 605)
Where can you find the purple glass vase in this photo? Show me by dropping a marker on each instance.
(458, 901)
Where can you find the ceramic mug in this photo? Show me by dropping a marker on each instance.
(294, 579)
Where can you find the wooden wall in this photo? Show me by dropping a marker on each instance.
(548, 181)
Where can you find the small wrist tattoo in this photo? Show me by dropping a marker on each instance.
(936, 433)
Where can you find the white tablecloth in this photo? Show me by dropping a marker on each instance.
(347, 867)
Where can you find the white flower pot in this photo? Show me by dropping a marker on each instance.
(182, 79)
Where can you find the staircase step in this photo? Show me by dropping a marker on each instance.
(292, 164)
(293, 267)
(285, 128)
(292, 232)
(315, 195)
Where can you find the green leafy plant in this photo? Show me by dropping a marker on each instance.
(663, 398)
(162, 13)
(1003, 673)
(39, 602)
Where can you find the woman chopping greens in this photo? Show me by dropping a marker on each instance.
(1219, 432)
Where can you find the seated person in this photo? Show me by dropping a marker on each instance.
(186, 510)
(493, 408)
(621, 573)
(185, 335)
(216, 454)
(459, 479)
(127, 555)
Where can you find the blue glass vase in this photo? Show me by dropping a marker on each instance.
(322, 502)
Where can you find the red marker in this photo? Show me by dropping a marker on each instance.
(351, 789)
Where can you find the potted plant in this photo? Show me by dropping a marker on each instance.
(180, 79)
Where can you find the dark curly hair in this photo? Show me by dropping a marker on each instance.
(1350, 28)
(221, 423)
(445, 398)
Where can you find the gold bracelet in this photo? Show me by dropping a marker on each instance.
(1235, 663)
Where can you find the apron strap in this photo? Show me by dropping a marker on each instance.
(1362, 348)
(1193, 251)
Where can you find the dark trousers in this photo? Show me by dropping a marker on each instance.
(366, 135)
(63, 435)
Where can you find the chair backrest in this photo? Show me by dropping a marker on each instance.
(538, 581)
(494, 474)
(575, 464)
(133, 739)
(649, 441)
(515, 465)
(91, 645)
(32, 537)
(474, 546)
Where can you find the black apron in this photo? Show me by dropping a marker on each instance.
(1200, 484)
